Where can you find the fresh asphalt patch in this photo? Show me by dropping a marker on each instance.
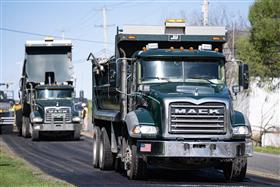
(71, 161)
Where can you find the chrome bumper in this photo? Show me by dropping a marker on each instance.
(56, 127)
(7, 120)
(155, 148)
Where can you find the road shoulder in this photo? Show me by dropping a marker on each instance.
(36, 173)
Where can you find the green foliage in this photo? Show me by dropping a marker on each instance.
(14, 172)
(262, 49)
(267, 149)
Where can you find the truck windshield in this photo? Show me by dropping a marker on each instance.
(38, 64)
(54, 94)
(211, 71)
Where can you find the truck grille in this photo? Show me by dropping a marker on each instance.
(189, 118)
(57, 115)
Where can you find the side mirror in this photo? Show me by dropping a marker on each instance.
(235, 89)
(19, 95)
(244, 76)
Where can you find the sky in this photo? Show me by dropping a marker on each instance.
(81, 20)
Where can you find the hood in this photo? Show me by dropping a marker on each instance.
(193, 90)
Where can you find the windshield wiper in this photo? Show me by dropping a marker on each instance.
(204, 79)
(158, 78)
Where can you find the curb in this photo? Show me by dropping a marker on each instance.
(262, 174)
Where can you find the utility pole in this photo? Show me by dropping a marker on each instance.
(62, 34)
(233, 41)
(205, 6)
(105, 30)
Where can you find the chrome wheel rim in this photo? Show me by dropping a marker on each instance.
(101, 151)
(94, 150)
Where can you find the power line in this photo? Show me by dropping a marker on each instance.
(44, 35)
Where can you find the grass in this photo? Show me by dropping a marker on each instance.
(267, 149)
(15, 172)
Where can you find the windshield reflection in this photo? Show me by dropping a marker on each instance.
(211, 71)
(54, 94)
(38, 64)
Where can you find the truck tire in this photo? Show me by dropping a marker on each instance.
(34, 134)
(235, 170)
(25, 127)
(77, 134)
(95, 147)
(136, 167)
(105, 154)
(18, 120)
(20, 131)
(118, 165)
(119, 162)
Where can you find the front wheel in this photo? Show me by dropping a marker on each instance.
(236, 169)
(34, 134)
(105, 154)
(95, 147)
(25, 127)
(77, 134)
(134, 165)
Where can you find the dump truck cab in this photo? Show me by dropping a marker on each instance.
(53, 109)
(163, 100)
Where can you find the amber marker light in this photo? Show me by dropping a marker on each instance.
(181, 48)
(131, 37)
(216, 38)
(191, 49)
(216, 49)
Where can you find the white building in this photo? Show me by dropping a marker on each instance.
(262, 107)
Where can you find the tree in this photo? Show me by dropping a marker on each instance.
(261, 50)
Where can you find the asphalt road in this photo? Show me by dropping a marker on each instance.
(71, 161)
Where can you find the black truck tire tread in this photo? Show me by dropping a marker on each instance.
(25, 127)
(106, 162)
(35, 135)
(138, 166)
(77, 134)
(234, 171)
(96, 142)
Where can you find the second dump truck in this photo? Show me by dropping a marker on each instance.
(47, 91)
(163, 100)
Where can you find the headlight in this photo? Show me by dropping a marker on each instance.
(76, 119)
(37, 120)
(145, 129)
(240, 130)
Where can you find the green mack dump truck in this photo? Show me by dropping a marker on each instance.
(47, 90)
(162, 100)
